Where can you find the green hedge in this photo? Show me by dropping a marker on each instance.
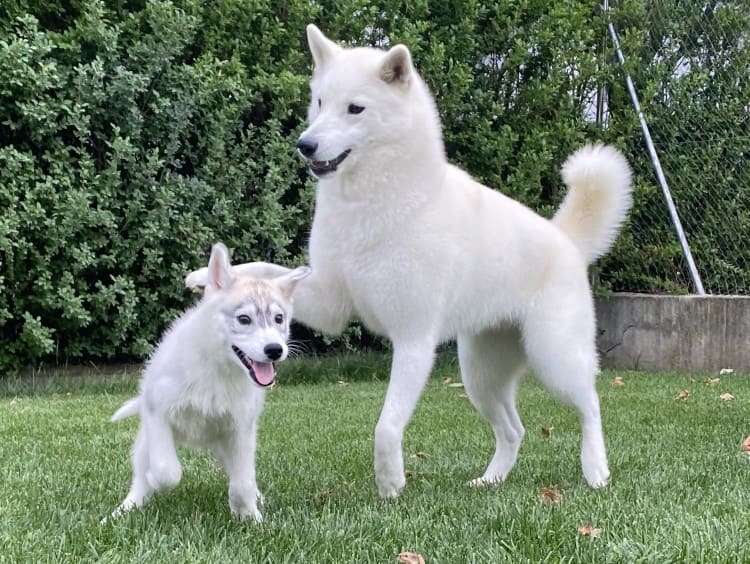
(133, 134)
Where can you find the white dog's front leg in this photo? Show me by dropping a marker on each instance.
(240, 465)
(412, 362)
(320, 300)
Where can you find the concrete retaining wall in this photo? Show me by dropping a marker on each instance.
(648, 332)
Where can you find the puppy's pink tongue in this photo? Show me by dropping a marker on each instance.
(264, 373)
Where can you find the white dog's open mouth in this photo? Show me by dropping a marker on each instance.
(321, 168)
(262, 373)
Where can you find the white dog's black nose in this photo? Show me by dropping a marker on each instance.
(273, 351)
(307, 148)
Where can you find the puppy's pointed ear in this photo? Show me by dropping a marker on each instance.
(396, 68)
(220, 274)
(321, 48)
(288, 282)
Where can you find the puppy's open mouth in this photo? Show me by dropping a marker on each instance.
(321, 168)
(262, 373)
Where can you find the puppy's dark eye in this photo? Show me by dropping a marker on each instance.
(244, 319)
(319, 103)
(355, 109)
(279, 318)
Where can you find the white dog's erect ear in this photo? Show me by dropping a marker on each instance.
(288, 282)
(219, 268)
(396, 68)
(321, 48)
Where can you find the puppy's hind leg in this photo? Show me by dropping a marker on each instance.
(492, 364)
(140, 490)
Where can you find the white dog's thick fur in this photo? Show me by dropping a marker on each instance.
(422, 253)
(204, 384)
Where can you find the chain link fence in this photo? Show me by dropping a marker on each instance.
(690, 64)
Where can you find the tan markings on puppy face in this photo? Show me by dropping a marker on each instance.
(261, 301)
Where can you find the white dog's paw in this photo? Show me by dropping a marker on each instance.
(390, 484)
(196, 279)
(595, 470)
(597, 478)
(484, 481)
(127, 505)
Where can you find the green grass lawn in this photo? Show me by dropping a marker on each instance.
(680, 489)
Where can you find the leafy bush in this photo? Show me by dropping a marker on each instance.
(136, 133)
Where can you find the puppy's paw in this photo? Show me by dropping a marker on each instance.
(247, 512)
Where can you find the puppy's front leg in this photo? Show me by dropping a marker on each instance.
(412, 362)
(240, 466)
(164, 471)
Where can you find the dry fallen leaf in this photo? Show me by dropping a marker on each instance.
(547, 432)
(746, 445)
(726, 396)
(683, 395)
(410, 558)
(456, 385)
(413, 473)
(726, 371)
(589, 531)
(617, 382)
(420, 455)
(712, 381)
(550, 495)
(447, 380)
(463, 395)
(342, 383)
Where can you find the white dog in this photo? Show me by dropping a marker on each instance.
(422, 253)
(204, 384)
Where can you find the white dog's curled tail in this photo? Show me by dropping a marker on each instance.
(128, 409)
(599, 198)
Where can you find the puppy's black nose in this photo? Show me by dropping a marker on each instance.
(273, 351)
(307, 148)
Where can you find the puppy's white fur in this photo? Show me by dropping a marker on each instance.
(204, 384)
(422, 253)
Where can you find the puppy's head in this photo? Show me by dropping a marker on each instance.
(254, 315)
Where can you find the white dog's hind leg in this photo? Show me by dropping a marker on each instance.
(492, 364)
(412, 362)
(562, 353)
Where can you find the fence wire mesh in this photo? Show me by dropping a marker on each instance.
(690, 62)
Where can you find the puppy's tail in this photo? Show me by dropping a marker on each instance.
(599, 197)
(128, 409)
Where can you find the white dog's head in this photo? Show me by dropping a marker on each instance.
(254, 314)
(363, 100)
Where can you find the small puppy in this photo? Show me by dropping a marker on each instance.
(204, 384)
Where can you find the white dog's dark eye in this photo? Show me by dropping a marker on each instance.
(319, 103)
(279, 318)
(355, 109)
(244, 319)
